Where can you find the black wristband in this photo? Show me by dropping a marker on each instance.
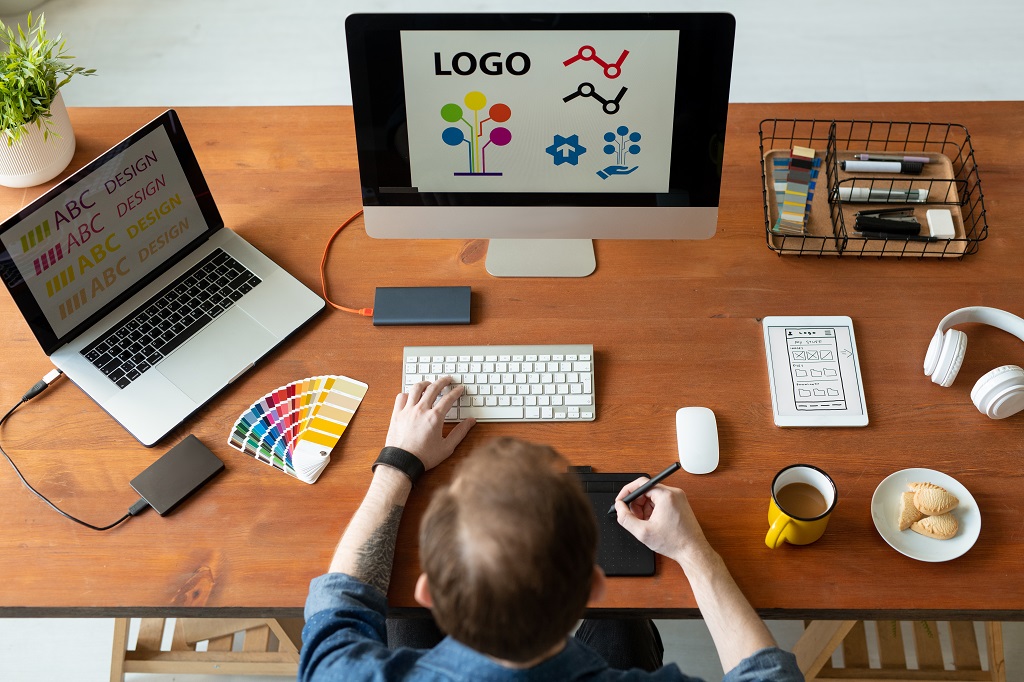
(403, 460)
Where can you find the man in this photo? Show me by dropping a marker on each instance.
(508, 554)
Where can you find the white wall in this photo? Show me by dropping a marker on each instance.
(255, 52)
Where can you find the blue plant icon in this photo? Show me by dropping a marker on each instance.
(621, 144)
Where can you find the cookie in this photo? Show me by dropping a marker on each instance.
(941, 527)
(933, 500)
(908, 512)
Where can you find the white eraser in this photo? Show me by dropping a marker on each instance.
(940, 223)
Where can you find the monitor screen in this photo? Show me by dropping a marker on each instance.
(548, 126)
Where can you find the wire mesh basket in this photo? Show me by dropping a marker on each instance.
(950, 180)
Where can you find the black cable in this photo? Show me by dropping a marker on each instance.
(41, 386)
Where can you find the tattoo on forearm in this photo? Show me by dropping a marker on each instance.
(377, 555)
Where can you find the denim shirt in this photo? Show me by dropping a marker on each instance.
(344, 639)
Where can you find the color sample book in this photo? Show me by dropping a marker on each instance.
(295, 427)
(794, 180)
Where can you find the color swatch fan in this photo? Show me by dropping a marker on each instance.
(295, 427)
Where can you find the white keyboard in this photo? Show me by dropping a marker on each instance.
(510, 383)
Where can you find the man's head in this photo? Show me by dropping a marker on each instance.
(508, 549)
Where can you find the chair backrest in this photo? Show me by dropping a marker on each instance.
(268, 646)
(917, 657)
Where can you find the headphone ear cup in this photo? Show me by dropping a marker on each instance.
(951, 356)
(931, 358)
(1000, 392)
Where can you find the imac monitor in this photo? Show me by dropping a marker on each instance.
(526, 127)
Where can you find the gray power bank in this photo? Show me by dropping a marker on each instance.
(177, 474)
(421, 305)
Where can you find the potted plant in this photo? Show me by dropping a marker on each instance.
(37, 141)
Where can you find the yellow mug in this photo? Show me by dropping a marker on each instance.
(803, 497)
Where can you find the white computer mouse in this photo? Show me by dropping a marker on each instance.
(697, 437)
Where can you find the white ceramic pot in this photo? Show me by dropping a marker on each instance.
(31, 160)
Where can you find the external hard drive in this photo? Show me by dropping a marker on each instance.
(421, 305)
(177, 474)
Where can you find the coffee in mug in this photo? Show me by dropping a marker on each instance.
(802, 500)
(803, 497)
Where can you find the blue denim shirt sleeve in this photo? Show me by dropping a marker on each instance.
(773, 664)
(345, 638)
(345, 635)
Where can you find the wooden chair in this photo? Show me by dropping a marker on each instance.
(821, 638)
(269, 647)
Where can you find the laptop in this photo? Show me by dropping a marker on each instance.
(134, 287)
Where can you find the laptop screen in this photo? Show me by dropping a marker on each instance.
(98, 237)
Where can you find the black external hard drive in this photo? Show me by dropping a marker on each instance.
(421, 305)
(177, 474)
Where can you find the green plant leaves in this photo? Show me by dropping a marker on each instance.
(29, 71)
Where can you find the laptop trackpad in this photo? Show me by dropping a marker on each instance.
(209, 360)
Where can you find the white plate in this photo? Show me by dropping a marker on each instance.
(885, 504)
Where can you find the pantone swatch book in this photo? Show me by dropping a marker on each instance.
(295, 427)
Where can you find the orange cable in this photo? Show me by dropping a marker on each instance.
(365, 312)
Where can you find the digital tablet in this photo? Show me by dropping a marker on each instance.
(618, 552)
(814, 371)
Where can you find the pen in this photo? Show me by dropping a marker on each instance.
(892, 157)
(628, 499)
(891, 196)
(894, 236)
(905, 167)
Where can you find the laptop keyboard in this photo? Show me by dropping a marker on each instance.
(170, 318)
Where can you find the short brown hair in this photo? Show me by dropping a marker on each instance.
(509, 548)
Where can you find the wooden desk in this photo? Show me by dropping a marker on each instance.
(673, 324)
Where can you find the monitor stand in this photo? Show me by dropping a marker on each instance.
(540, 257)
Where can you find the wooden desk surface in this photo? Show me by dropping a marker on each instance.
(673, 324)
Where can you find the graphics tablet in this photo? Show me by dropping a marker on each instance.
(618, 552)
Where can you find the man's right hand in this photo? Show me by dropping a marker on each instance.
(662, 520)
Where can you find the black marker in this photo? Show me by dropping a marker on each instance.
(628, 499)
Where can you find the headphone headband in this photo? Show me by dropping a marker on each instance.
(1000, 319)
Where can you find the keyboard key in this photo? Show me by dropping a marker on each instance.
(491, 412)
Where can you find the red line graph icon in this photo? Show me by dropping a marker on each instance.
(589, 54)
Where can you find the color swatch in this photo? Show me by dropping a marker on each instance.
(294, 428)
(794, 179)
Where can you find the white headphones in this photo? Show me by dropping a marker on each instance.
(1000, 392)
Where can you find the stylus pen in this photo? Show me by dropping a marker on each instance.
(628, 499)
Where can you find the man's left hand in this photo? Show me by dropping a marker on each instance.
(418, 419)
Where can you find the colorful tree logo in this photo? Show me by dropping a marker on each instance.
(453, 136)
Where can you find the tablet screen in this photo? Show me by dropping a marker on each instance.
(814, 372)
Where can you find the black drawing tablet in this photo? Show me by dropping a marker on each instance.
(618, 552)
